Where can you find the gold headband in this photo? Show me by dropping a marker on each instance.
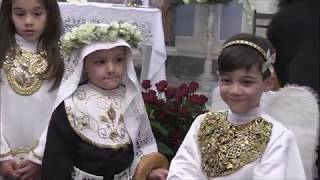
(270, 59)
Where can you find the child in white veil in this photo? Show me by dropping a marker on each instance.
(100, 129)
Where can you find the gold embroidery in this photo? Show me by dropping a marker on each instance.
(20, 150)
(225, 148)
(81, 123)
(112, 114)
(25, 70)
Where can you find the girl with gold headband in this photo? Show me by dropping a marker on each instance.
(242, 141)
(31, 70)
(100, 129)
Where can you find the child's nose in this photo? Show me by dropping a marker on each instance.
(235, 89)
(110, 68)
(29, 20)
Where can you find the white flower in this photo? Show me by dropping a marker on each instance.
(202, 1)
(187, 1)
(113, 35)
(87, 33)
(114, 25)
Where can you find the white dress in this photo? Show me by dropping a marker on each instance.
(24, 118)
(279, 160)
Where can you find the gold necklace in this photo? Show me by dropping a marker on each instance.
(25, 70)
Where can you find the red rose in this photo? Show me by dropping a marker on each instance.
(184, 113)
(183, 90)
(203, 99)
(193, 86)
(194, 99)
(170, 92)
(161, 85)
(149, 97)
(146, 84)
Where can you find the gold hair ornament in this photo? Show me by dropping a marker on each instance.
(270, 59)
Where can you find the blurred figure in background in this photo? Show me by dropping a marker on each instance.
(294, 33)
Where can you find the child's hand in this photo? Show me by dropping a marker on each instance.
(9, 168)
(158, 174)
(29, 170)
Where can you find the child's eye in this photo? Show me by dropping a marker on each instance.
(19, 13)
(225, 80)
(119, 59)
(99, 62)
(247, 82)
(38, 13)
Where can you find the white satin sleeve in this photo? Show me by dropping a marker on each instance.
(36, 154)
(281, 159)
(187, 161)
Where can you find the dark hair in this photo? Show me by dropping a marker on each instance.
(240, 56)
(283, 3)
(49, 39)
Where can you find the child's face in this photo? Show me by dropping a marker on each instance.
(241, 89)
(29, 18)
(106, 68)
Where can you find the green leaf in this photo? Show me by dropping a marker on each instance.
(159, 128)
(165, 149)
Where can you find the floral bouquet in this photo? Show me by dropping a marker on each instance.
(171, 112)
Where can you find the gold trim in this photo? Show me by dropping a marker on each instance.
(20, 150)
(225, 148)
(25, 70)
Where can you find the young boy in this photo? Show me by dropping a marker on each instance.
(100, 129)
(242, 142)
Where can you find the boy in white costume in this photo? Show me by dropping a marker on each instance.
(100, 129)
(242, 142)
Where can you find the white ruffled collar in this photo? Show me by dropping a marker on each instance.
(26, 45)
(238, 119)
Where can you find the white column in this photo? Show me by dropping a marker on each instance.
(207, 74)
(207, 80)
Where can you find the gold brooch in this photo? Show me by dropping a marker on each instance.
(25, 70)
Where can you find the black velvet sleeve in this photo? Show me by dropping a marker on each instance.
(58, 157)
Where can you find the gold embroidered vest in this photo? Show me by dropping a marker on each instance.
(225, 148)
(25, 70)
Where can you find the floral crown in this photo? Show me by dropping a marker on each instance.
(269, 59)
(89, 32)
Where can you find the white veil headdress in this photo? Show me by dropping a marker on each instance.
(136, 118)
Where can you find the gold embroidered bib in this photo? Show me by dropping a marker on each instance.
(25, 70)
(225, 148)
(97, 117)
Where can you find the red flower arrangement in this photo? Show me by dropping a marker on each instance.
(171, 112)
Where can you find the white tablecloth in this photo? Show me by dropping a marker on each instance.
(148, 20)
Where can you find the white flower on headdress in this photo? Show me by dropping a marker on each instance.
(269, 62)
(202, 1)
(87, 33)
(114, 25)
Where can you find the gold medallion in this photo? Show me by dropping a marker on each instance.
(25, 70)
